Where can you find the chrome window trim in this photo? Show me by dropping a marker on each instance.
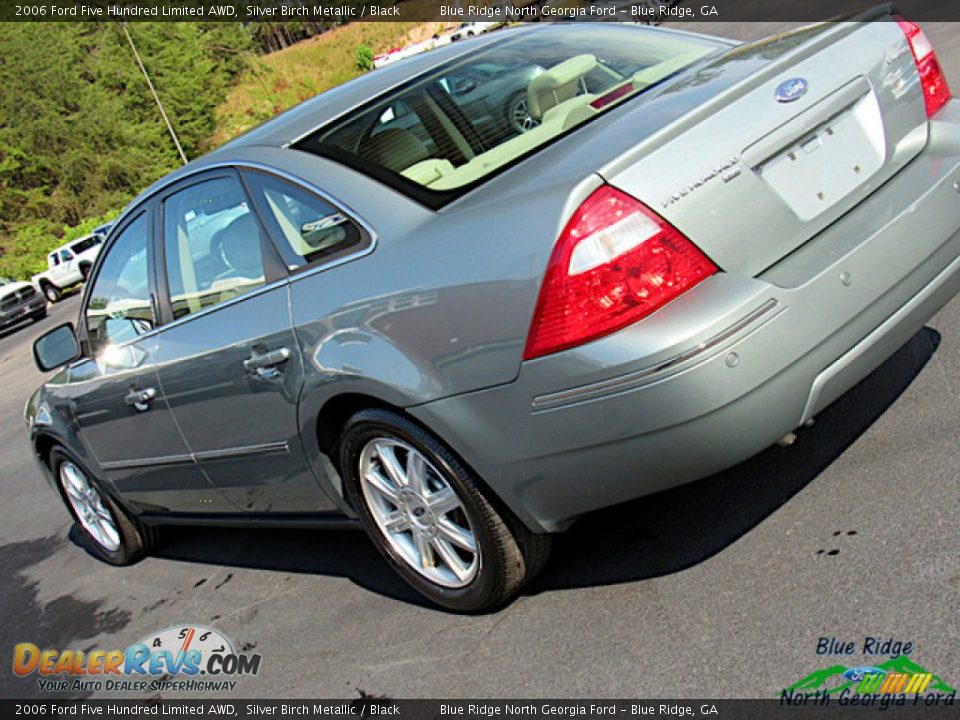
(310, 271)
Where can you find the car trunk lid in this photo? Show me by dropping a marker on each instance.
(767, 163)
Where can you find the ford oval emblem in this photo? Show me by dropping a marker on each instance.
(790, 90)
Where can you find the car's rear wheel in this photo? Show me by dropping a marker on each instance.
(112, 534)
(52, 293)
(39, 315)
(429, 517)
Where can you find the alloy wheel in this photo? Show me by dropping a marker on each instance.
(520, 116)
(92, 513)
(418, 512)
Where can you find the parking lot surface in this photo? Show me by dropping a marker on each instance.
(722, 588)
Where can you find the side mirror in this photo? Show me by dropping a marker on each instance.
(56, 348)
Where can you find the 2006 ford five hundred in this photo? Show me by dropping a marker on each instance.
(468, 297)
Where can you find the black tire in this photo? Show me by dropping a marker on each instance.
(52, 292)
(39, 315)
(509, 553)
(135, 538)
(85, 271)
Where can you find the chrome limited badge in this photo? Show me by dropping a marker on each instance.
(790, 90)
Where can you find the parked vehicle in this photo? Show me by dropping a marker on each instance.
(462, 348)
(19, 300)
(494, 97)
(391, 56)
(470, 29)
(68, 266)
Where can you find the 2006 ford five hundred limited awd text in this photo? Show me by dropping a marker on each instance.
(396, 305)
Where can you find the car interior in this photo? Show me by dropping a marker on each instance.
(424, 135)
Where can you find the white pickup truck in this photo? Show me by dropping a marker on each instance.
(67, 266)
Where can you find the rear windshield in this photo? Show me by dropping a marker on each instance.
(448, 129)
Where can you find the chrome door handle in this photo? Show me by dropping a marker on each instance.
(264, 364)
(140, 399)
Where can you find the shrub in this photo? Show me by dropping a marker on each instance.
(364, 55)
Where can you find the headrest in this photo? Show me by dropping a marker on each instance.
(556, 84)
(395, 149)
(240, 246)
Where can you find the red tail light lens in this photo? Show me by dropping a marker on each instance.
(615, 262)
(936, 92)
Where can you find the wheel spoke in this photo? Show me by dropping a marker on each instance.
(395, 522)
(388, 459)
(381, 485)
(416, 472)
(108, 532)
(424, 552)
(443, 501)
(458, 536)
(451, 559)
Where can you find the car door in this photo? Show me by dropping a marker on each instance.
(65, 269)
(228, 362)
(123, 418)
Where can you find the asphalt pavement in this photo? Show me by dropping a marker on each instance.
(722, 588)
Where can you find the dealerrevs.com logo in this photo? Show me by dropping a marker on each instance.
(183, 657)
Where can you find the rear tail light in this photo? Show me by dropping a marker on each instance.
(615, 262)
(936, 92)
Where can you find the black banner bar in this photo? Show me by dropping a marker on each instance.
(890, 706)
(649, 11)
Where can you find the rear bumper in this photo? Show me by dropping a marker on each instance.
(723, 372)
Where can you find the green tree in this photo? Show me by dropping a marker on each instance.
(364, 54)
(80, 133)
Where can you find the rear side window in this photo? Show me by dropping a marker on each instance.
(212, 245)
(85, 244)
(308, 228)
(454, 126)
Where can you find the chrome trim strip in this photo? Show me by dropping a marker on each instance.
(147, 462)
(236, 452)
(246, 450)
(614, 384)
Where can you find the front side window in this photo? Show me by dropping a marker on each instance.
(455, 125)
(308, 227)
(119, 307)
(65, 256)
(212, 245)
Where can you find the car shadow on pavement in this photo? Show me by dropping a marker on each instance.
(646, 538)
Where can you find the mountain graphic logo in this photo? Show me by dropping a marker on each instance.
(899, 674)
